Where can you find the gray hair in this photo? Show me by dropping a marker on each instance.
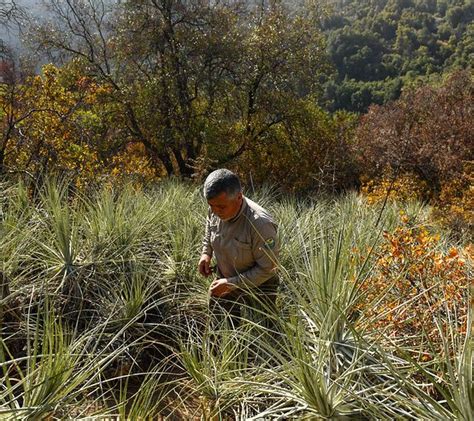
(221, 181)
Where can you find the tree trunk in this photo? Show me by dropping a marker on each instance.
(184, 169)
(167, 163)
(2, 159)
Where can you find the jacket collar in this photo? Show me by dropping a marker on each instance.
(241, 211)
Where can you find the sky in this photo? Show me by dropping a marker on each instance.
(11, 34)
(35, 9)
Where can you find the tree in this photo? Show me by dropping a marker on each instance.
(309, 153)
(44, 126)
(427, 132)
(191, 80)
(11, 15)
(357, 55)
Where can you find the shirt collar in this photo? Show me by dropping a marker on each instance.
(242, 208)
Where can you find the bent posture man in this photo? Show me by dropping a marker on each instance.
(242, 236)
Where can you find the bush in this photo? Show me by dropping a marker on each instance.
(416, 288)
(403, 187)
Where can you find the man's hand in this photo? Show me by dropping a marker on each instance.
(221, 287)
(204, 265)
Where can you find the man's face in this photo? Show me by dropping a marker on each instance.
(224, 207)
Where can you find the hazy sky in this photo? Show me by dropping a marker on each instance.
(10, 35)
(30, 5)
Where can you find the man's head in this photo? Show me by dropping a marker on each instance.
(223, 193)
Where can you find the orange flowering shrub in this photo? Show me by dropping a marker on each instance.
(414, 286)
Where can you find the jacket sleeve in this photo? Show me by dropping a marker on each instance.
(265, 250)
(206, 242)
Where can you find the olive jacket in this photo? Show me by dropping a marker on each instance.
(246, 247)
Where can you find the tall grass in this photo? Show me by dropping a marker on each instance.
(107, 316)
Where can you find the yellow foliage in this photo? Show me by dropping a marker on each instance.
(455, 204)
(62, 121)
(50, 137)
(133, 163)
(403, 187)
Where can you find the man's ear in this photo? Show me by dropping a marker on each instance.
(240, 195)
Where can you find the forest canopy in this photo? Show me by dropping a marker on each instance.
(379, 46)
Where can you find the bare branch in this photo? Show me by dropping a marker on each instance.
(11, 14)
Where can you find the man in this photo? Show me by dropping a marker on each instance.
(242, 237)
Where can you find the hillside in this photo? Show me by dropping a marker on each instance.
(379, 46)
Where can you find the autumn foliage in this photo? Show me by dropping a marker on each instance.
(421, 147)
(62, 122)
(417, 287)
